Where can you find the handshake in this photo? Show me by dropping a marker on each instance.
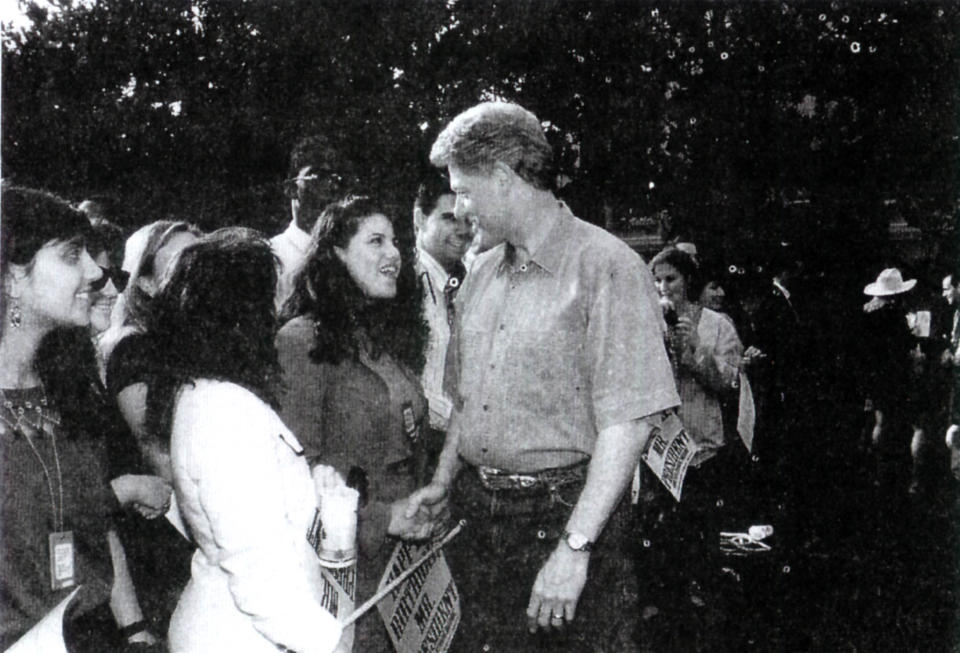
(425, 514)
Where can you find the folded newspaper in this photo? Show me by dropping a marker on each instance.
(669, 452)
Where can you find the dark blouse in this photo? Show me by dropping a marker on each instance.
(130, 363)
(27, 515)
(157, 555)
(358, 414)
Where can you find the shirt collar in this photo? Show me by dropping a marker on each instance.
(549, 254)
(297, 236)
(432, 267)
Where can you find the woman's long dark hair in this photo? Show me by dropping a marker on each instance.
(325, 292)
(214, 319)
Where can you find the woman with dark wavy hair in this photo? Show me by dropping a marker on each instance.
(243, 486)
(350, 358)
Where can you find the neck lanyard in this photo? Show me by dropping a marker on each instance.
(57, 518)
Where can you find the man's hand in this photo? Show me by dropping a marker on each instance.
(420, 515)
(433, 498)
(556, 591)
(418, 526)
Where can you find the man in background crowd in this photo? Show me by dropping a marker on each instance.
(950, 361)
(318, 176)
(442, 240)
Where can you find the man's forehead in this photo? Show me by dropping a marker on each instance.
(445, 204)
(947, 281)
(461, 176)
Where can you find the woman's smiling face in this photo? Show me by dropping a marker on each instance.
(372, 257)
(55, 289)
(671, 284)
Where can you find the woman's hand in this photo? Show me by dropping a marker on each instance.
(149, 495)
(687, 334)
(750, 356)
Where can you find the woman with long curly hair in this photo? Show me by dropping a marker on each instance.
(243, 486)
(351, 356)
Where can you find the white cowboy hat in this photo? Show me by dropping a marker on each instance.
(890, 282)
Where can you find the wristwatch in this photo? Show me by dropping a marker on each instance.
(577, 541)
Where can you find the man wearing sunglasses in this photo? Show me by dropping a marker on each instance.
(317, 177)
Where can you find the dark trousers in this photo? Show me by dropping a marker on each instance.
(695, 597)
(495, 560)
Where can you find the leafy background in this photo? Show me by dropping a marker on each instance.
(739, 124)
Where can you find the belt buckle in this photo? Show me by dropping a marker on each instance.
(487, 474)
(524, 482)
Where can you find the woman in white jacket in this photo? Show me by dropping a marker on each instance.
(242, 483)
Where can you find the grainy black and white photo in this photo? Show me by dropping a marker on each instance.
(479, 326)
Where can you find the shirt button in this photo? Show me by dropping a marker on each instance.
(523, 268)
(503, 327)
(486, 407)
(493, 366)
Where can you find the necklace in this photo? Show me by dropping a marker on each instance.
(20, 419)
(16, 416)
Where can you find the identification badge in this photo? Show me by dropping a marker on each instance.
(62, 568)
(410, 426)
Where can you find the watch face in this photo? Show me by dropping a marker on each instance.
(577, 541)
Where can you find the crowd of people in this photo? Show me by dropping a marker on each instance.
(512, 368)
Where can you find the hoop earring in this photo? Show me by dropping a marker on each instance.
(16, 316)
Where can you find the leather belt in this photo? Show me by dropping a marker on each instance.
(494, 479)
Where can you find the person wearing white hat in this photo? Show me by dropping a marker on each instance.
(889, 283)
(888, 375)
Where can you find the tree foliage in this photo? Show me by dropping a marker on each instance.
(734, 121)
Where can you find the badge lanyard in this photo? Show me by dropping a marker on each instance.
(62, 568)
(57, 515)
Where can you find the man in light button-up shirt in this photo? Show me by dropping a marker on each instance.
(442, 240)
(558, 373)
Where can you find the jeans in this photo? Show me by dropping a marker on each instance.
(509, 535)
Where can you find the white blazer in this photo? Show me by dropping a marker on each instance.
(245, 491)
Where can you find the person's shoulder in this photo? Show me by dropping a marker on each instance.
(602, 246)
(295, 330)
(491, 257)
(217, 400)
(130, 361)
(134, 343)
(712, 317)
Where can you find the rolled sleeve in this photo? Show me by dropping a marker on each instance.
(631, 373)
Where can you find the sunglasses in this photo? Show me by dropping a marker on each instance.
(118, 276)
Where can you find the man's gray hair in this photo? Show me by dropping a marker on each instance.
(497, 131)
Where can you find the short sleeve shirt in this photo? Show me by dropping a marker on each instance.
(547, 354)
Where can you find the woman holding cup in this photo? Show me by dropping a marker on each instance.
(680, 538)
